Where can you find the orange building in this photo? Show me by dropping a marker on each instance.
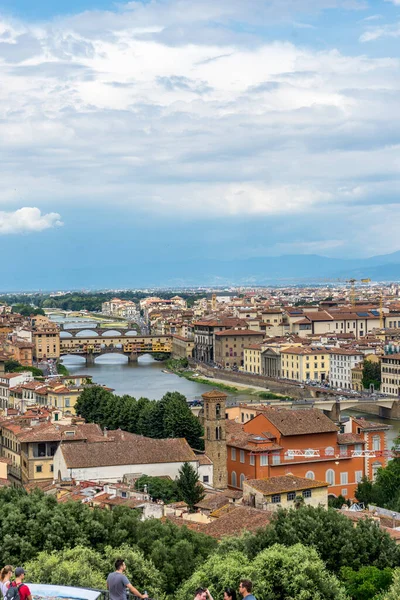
(305, 443)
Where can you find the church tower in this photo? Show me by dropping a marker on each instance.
(215, 435)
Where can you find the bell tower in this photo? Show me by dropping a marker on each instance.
(215, 435)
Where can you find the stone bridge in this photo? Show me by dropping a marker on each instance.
(98, 332)
(332, 407)
(131, 346)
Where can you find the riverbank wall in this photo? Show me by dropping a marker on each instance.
(284, 388)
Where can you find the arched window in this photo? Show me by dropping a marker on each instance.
(330, 476)
(310, 475)
(220, 433)
(233, 479)
(242, 478)
(207, 412)
(376, 442)
(329, 451)
(217, 429)
(208, 433)
(218, 411)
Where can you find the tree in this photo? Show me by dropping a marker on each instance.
(394, 591)
(366, 583)
(277, 572)
(188, 486)
(158, 489)
(371, 374)
(338, 502)
(385, 490)
(11, 365)
(365, 491)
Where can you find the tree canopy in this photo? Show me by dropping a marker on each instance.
(371, 374)
(385, 490)
(168, 417)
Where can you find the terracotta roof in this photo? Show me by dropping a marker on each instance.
(253, 347)
(213, 502)
(224, 322)
(239, 438)
(242, 518)
(286, 483)
(123, 448)
(366, 425)
(350, 438)
(53, 432)
(204, 459)
(304, 350)
(239, 332)
(214, 394)
(192, 525)
(298, 422)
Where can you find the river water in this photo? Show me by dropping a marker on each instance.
(146, 378)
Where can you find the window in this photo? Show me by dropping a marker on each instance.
(205, 478)
(263, 460)
(252, 459)
(242, 456)
(233, 453)
(38, 468)
(343, 450)
(330, 476)
(233, 479)
(344, 478)
(310, 475)
(329, 451)
(276, 498)
(242, 478)
(291, 496)
(276, 458)
(218, 411)
(376, 442)
(344, 492)
(359, 475)
(358, 447)
(67, 402)
(307, 494)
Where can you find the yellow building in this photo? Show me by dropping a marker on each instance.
(356, 377)
(64, 398)
(252, 359)
(46, 339)
(302, 364)
(283, 492)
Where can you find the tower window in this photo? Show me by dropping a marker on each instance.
(218, 411)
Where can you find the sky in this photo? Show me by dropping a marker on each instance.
(137, 136)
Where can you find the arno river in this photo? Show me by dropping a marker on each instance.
(146, 378)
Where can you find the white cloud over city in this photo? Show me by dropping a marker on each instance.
(26, 220)
(184, 108)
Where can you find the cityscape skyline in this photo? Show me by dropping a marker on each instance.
(172, 132)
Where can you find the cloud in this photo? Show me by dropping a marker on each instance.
(26, 220)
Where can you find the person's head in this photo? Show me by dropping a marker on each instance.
(229, 594)
(200, 594)
(6, 572)
(245, 587)
(120, 565)
(19, 573)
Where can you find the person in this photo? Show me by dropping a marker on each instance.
(117, 583)
(245, 589)
(229, 594)
(5, 575)
(18, 586)
(201, 594)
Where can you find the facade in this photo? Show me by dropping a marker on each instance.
(390, 374)
(182, 347)
(357, 377)
(302, 442)
(46, 339)
(271, 363)
(340, 369)
(8, 381)
(283, 492)
(215, 435)
(304, 363)
(120, 453)
(252, 359)
(374, 435)
(230, 344)
(204, 335)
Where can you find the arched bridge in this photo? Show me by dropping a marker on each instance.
(98, 332)
(131, 346)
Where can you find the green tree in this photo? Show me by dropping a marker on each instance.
(11, 365)
(371, 374)
(158, 488)
(338, 502)
(188, 486)
(394, 591)
(365, 491)
(366, 583)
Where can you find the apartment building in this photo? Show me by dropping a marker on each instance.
(8, 381)
(304, 363)
(390, 374)
(282, 492)
(230, 344)
(252, 359)
(46, 339)
(305, 443)
(342, 362)
(204, 334)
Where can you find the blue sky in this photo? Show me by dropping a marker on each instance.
(146, 133)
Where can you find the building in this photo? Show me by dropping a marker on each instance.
(46, 339)
(120, 453)
(374, 435)
(204, 335)
(8, 381)
(252, 359)
(283, 492)
(305, 363)
(230, 344)
(303, 442)
(357, 377)
(215, 435)
(182, 347)
(340, 368)
(271, 362)
(390, 374)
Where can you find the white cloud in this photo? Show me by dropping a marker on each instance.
(27, 219)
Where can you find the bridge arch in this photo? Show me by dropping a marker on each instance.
(111, 333)
(131, 332)
(65, 334)
(86, 333)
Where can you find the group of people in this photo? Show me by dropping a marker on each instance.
(118, 584)
(14, 588)
(245, 590)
